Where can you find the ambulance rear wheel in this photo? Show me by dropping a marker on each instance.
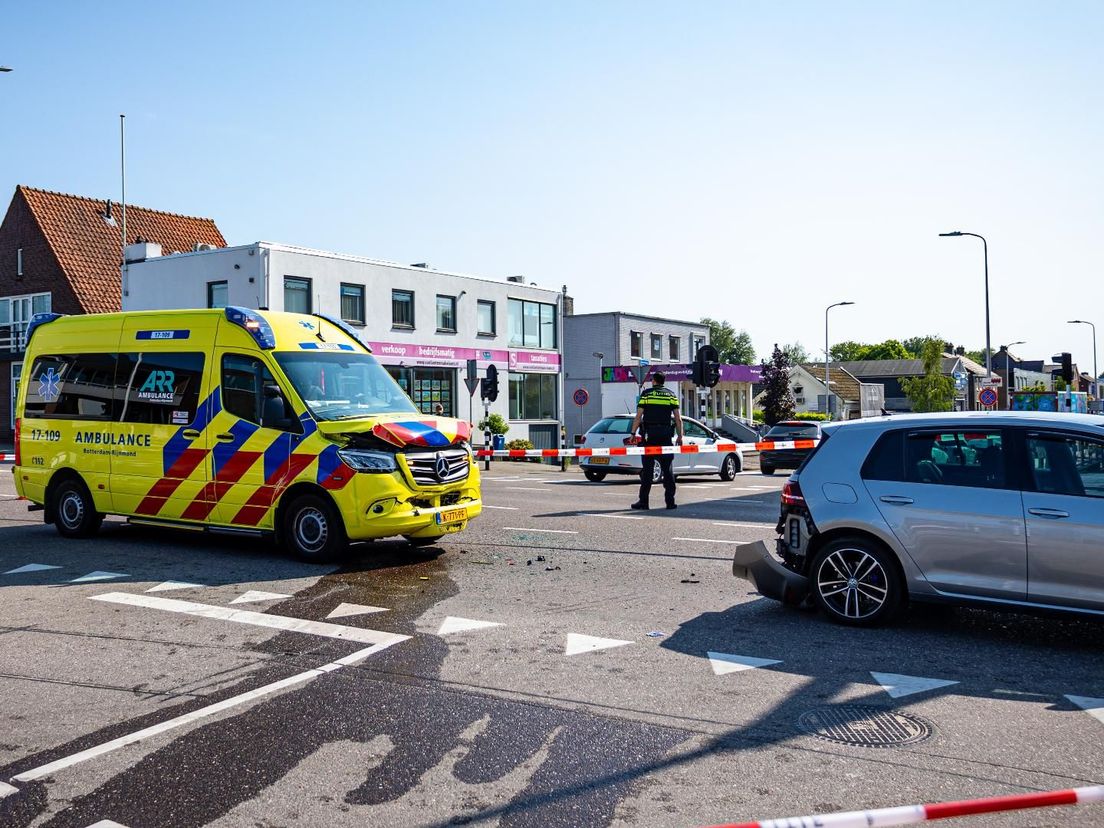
(313, 529)
(74, 512)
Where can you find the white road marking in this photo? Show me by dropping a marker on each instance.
(107, 747)
(7, 790)
(31, 568)
(551, 531)
(504, 508)
(345, 610)
(256, 619)
(762, 487)
(107, 823)
(258, 595)
(743, 488)
(98, 576)
(168, 585)
(746, 502)
(898, 685)
(724, 663)
(617, 517)
(1094, 707)
(453, 624)
(748, 525)
(588, 643)
(708, 540)
(522, 489)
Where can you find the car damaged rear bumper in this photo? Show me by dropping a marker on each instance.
(755, 563)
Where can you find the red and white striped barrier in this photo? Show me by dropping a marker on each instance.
(7, 458)
(912, 814)
(624, 451)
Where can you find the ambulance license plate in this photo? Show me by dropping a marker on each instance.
(599, 461)
(452, 516)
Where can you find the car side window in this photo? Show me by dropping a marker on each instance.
(956, 458)
(693, 430)
(1067, 465)
(886, 459)
(249, 391)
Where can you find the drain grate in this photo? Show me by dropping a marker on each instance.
(853, 724)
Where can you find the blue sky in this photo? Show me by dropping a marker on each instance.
(754, 161)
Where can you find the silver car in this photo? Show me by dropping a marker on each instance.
(612, 432)
(998, 509)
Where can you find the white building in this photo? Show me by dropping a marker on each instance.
(422, 324)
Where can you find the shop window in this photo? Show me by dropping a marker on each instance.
(533, 397)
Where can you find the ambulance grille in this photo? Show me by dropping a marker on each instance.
(424, 466)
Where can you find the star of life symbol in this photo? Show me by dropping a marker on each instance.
(306, 324)
(48, 387)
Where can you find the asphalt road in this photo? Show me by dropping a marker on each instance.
(564, 662)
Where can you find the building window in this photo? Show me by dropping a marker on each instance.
(673, 347)
(532, 324)
(15, 316)
(446, 313)
(486, 313)
(636, 344)
(533, 397)
(352, 303)
(217, 294)
(16, 373)
(696, 343)
(657, 346)
(402, 308)
(297, 295)
(19, 262)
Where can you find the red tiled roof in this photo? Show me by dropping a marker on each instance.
(88, 248)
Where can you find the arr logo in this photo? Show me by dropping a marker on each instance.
(158, 382)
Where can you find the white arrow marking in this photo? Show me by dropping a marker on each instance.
(167, 585)
(7, 790)
(98, 576)
(258, 595)
(452, 624)
(723, 663)
(107, 823)
(344, 610)
(898, 685)
(588, 643)
(31, 568)
(1094, 707)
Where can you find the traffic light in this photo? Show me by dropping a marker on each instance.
(706, 370)
(490, 384)
(1066, 361)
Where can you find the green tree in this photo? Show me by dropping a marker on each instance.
(915, 345)
(890, 349)
(732, 348)
(934, 391)
(848, 351)
(778, 402)
(796, 353)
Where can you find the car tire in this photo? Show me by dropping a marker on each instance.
(730, 467)
(766, 469)
(657, 474)
(594, 476)
(313, 529)
(75, 514)
(417, 543)
(855, 581)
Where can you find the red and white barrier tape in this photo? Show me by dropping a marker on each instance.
(624, 451)
(911, 814)
(7, 458)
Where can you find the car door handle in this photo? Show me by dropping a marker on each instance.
(190, 434)
(1054, 514)
(225, 438)
(896, 500)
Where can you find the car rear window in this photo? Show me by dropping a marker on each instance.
(612, 425)
(794, 431)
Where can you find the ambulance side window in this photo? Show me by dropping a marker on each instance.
(251, 392)
(71, 387)
(159, 388)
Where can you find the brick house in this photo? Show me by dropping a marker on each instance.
(62, 253)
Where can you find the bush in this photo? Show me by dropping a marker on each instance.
(816, 416)
(495, 423)
(519, 445)
(758, 416)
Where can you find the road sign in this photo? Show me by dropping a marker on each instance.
(472, 378)
(472, 385)
(987, 397)
(581, 396)
(996, 380)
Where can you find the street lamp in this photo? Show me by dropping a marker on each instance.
(827, 386)
(1096, 375)
(5, 68)
(985, 249)
(1008, 373)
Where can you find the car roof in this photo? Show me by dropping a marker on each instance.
(974, 419)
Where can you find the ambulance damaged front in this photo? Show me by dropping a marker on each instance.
(412, 474)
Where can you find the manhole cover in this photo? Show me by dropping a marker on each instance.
(852, 724)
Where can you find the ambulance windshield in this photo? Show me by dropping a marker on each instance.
(343, 386)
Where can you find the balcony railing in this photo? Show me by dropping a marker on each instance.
(13, 336)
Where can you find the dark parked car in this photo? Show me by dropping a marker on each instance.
(784, 431)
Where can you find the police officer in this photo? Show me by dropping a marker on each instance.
(658, 420)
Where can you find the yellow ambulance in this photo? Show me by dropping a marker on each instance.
(233, 420)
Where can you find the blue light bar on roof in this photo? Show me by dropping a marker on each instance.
(40, 319)
(348, 329)
(255, 325)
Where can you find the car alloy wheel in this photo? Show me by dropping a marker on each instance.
(657, 473)
(854, 582)
(729, 468)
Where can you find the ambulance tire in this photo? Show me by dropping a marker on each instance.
(312, 529)
(75, 514)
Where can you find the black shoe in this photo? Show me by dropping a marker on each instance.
(639, 505)
(672, 506)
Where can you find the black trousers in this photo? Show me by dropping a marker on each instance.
(665, 461)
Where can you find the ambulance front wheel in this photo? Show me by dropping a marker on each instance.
(313, 529)
(74, 512)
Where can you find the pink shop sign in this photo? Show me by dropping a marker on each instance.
(535, 361)
(392, 353)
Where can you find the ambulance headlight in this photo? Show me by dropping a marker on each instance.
(373, 462)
